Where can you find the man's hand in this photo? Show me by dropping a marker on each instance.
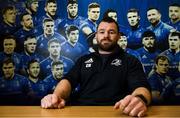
(131, 105)
(52, 101)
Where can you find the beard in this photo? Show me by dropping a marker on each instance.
(110, 46)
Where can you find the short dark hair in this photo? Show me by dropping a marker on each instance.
(54, 63)
(72, 2)
(29, 37)
(53, 40)
(8, 60)
(9, 7)
(24, 14)
(9, 36)
(49, 1)
(109, 20)
(148, 33)
(71, 28)
(93, 5)
(32, 61)
(133, 10)
(47, 20)
(175, 5)
(108, 11)
(176, 33)
(161, 57)
(151, 8)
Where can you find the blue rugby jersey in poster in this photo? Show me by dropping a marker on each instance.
(73, 52)
(174, 59)
(40, 88)
(51, 83)
(134, 37)
(163, 84)
(42, 43)
(16, 59)
(26, 58)
(21, 34)
(175, 25)
(147, 59)
(176, 91)
(46, 65)
(134, 53)
(15, 90)
(161, 31)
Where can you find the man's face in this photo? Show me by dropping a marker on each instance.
(133, 18)
(73, 36)
(8, 70)
(34, 70)
(34, 6)
(54, 49)
(51, 8)
(148, 42)
(113, 15)
(27, 22)
(9, 46)
(93, 13)
(162, 66)
(174, 12)
(174, 42)
(122, 42)
(57, 71)
(72, 10)
(10, 16)
(153, 16)
(30, 45)
(49, 28)
(107, 36)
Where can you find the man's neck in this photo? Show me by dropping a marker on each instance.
(175, 20)
(33, 79)
(55, 58)
(9, 24)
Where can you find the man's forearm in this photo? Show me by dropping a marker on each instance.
(143, 91)
(63, 89)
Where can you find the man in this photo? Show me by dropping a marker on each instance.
(89, 26)
(14, 88)
(38, 85)
(73, 19)
(9, 45)
(174, 15)
(29, 53)
(32, 8)
(57, 69)
(173, 53)
(148, 52)
(160, 28)
(26, 30)
(135, 32)
(54, 48)
(8, 25)
(122, 42)
(48, 34)
(160, 83)
(51, 12)
(94, 74)
(72, 49)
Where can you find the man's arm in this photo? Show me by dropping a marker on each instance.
(57, 99)
(133, 105)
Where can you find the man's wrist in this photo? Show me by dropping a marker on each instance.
(142, 98)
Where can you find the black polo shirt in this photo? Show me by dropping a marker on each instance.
(105, 79)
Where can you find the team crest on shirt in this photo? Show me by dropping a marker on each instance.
(116, 62)
(89, 63)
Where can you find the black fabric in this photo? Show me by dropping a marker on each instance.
(106, 83)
